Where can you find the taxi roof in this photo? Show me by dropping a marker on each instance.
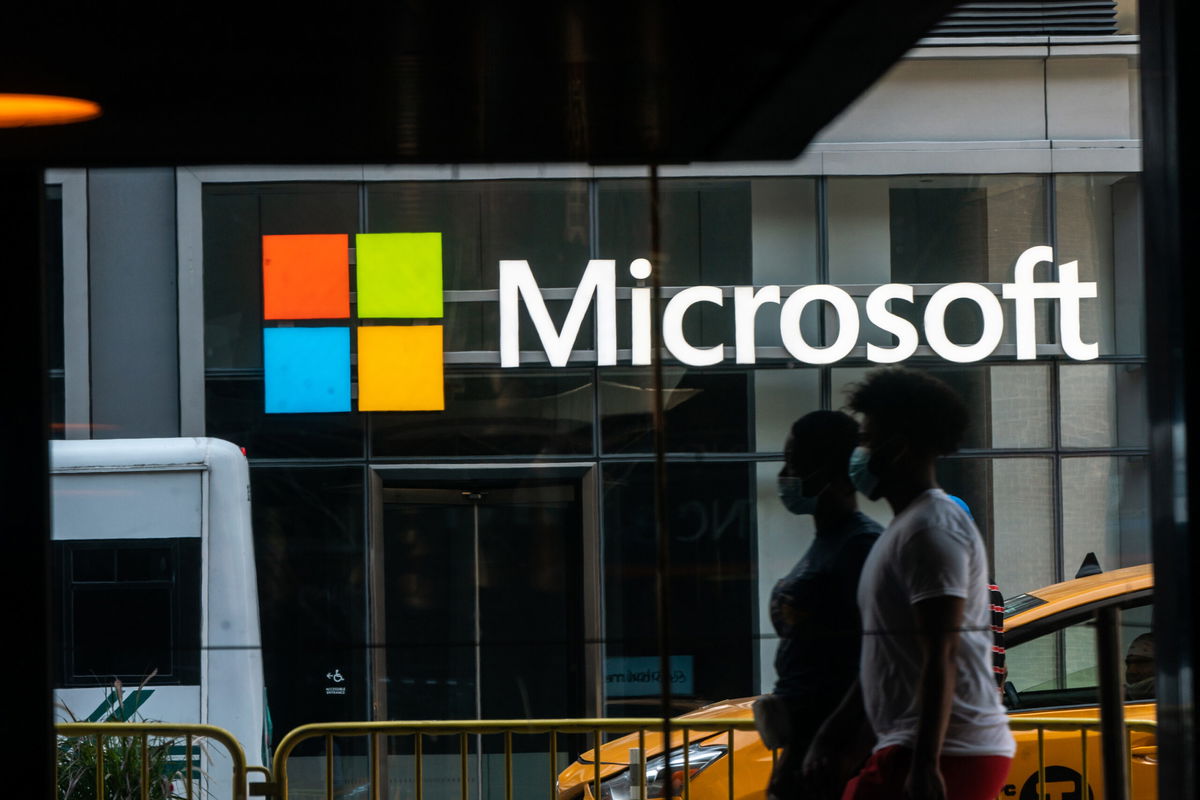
(1083, 591)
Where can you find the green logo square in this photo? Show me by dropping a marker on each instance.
(399, 275)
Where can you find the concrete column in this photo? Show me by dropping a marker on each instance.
(134, 317)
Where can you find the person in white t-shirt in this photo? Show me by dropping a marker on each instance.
(925, 693)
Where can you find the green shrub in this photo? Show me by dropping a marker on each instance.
(122, 761)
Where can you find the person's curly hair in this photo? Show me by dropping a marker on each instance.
(914, 405)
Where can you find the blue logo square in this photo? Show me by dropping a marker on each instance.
(306, 369)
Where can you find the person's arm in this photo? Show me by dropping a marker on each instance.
(938, 620)
(839, 746)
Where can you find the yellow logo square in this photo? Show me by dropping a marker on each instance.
(400, 368)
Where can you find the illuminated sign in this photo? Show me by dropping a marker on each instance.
(598, 284)
(318, 333)
(310, 333)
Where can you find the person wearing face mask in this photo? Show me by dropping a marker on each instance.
(926, 684)
(812, 607)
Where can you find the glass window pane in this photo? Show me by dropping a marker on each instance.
(712, 594)
(1059, 667)
(1105, 511)
(934, 229)
(482, 222)
(1137, 646)
(705, 235)
(1099, 225)
(1103, 405)
(1056, 669)
(1033, 664)
(155, 582)
(1012, 501)
(235, 411)
(1019, 406)
(1020, 518)
(783, 230)
(782, 396)
(446, 207)
(707, 410)
(309, 547)
(518, 412)
(1009, 405)
(236, 217)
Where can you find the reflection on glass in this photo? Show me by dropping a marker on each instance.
(544, 222)
(1021, 518)
(1105, 511)
(705, 229)
(1009, 406)
(309, 547)
(711, 583)
(1103, 405)
(707, 410)
(1019, 405)
(1057, 668)
(934, 229)
(481, 602)
(235, 410)
(782, 539)
(518, 412)
(1099, 225)
(236, 217)
(782, 396)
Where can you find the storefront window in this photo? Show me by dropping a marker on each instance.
(1105, 511)
(1008, 402)
(495, 414)
(933, 229)
(310, 551)
(543, 222)
(711, 521)
(236, 217)
(1103, 405)
(1099, 225)
(1050, 465)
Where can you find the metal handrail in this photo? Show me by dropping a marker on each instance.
(597, 728)
(464, 728)
(1083, 725)
(162, 730)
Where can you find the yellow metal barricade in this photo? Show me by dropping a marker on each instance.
(1059, 756)
(1056, 756)
(144, 736)
(595, 729)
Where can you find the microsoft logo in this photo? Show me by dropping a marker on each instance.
(309, 332)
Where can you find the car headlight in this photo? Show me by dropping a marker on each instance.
(664, 776)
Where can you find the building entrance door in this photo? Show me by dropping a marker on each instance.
(478, 609)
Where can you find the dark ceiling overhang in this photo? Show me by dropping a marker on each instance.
(440, 82)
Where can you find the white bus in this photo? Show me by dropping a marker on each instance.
(154, 577)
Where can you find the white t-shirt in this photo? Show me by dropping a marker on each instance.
(932, 549)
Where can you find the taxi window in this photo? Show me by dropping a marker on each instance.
(1059, 667)
(1021, 602)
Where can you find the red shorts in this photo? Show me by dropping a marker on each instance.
(966, 777)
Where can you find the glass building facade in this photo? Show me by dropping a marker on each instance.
(497, 557)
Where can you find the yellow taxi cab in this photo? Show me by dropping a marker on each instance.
(1050, 636)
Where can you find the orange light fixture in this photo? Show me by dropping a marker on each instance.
(29, 110)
